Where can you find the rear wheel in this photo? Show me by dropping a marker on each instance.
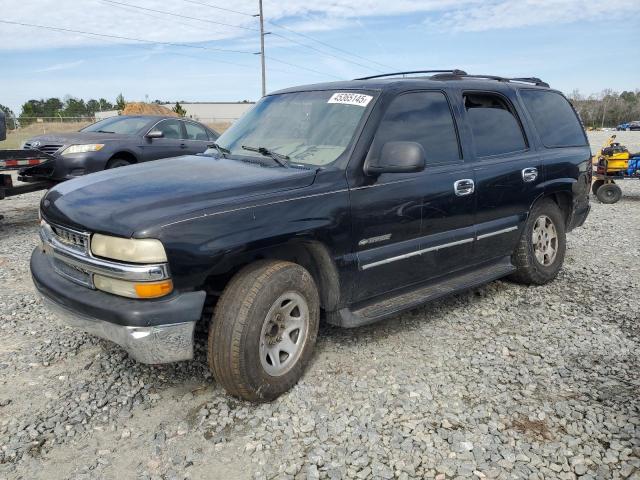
(118, 162)
(596, 185)
(609, 193)
(540, 251)
(264, 330)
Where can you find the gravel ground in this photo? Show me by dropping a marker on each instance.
(504, 382)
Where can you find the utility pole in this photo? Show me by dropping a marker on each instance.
(262, 34)
(604, 111)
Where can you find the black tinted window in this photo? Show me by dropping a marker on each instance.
(496, 130)
(554, 118)
(422, 117)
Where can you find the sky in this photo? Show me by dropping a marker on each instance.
(205, 50)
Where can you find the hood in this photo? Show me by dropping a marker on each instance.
(71, 138)
(126, 200)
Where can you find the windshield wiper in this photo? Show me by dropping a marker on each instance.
(220, 149)
(104, 131)
(279, 158)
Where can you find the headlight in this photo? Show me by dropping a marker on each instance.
(133, 289)
(92, 147)
(143, 250)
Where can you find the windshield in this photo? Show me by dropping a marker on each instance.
(123, 125)
(312, 128)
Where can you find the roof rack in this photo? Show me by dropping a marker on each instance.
(455, 72)
(533, 80)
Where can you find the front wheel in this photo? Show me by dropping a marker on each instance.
(117, 163)
(540, 252)
(264, 330)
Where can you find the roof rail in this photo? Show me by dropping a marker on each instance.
(534, 80)
(455, 71)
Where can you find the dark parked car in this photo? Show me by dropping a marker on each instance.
(119, 141)
(629, 126)
(350, 201)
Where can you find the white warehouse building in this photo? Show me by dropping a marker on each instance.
(211, 112)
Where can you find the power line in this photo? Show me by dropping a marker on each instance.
(152, 42)
(262, 33)
(325, 53)
(120, 37)
(113, 2)
(304, 68)
(219, 8)
(295, 41)
(327, 44)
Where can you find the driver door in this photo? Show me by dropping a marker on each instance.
(171, 144)
(412, 227)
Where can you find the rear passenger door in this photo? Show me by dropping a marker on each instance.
(507, 170)
(411, 227)
(196, 139)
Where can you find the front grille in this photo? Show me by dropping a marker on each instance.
(50, 148)
(76, 240)
(72, 273)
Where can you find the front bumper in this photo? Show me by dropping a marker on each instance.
(151, 331)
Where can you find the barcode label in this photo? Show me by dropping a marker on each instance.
(357, 99)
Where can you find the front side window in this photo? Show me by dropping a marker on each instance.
(195, 132)
(424, 118)
(494, 124)
(312, 128)
(554, 119)
(171, 129)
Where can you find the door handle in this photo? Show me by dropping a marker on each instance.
(529, 174)
(182, 145)
(463, 187)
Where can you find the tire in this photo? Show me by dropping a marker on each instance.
(249, 328)
(609, 193)
(117, 163)
(535, 262)
(596, 185)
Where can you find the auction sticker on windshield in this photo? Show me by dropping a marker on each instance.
(357, 99)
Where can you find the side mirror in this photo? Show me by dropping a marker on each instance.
(398, 157)
(3, 127)
(155, 134)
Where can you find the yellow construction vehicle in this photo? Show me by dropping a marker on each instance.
(613, 162)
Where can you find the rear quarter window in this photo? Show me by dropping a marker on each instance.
(554, 118)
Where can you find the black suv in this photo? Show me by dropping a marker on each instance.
(348, 201)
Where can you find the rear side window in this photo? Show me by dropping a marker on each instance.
(554, 118)
(195, 132)
(422, 117)
(494, 124)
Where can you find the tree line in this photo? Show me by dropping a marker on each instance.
(607, 109)
(56, 108)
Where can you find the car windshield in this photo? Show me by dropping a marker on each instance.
(122, 125)
(312, 128)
